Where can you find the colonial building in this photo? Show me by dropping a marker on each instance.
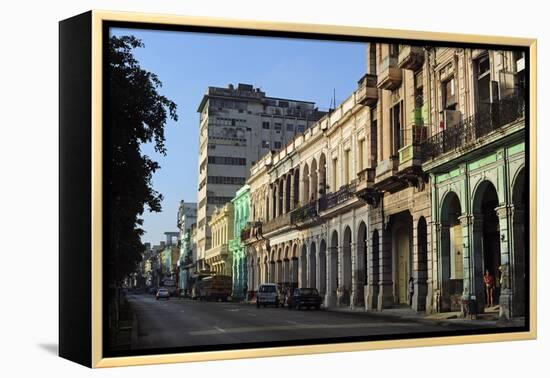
(406, 192)
(187, 218)
(218, 259)
(241, 211)
(238, 125)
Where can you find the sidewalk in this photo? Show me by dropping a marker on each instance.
(488, 319)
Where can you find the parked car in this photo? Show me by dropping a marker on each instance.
(304, 298)
(153, 290)
(268, 294)
(163, 293)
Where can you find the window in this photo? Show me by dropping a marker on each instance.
(361, 155)
(301, 128)
(373, 137)
(278, 126)
(226, 180)
(226, 160)
(265, 144)
(394, 50)
(448, 94)
(266, 125)
(395, 121)
(347, 167)
(334, 174)
(290, 127)
(483, 81)
(277, 145)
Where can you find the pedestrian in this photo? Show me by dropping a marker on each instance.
(411, 290)
(489, 282)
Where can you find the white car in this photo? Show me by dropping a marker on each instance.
(268, 294)
(163, 293)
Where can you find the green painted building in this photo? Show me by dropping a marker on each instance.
(478, 197)
(241, 208)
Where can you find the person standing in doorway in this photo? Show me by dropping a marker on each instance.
(489, 282)
(411, 290)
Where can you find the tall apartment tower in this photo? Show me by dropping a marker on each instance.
(238, 125)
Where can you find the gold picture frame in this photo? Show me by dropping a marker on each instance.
(92, 25)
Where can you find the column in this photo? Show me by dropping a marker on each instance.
(506, 298)
(385, 289)
(371, 295)
(467, 258)
(357, 279)
(476, 261)
(332, 264)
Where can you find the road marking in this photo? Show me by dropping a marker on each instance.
(219, 329)
(182, 311)
(232, 309)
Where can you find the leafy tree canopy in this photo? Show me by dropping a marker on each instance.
(137, 114)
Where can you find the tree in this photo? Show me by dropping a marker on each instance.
(137, 114)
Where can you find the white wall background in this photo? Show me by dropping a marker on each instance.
(29, 184)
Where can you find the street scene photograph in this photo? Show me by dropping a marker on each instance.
(282, 190)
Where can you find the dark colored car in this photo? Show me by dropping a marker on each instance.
(304, 298)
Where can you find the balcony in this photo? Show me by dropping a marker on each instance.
(468, 132)
(251, 232)
(220, 251)
(340, 197)
(280, 222)
(305, 215)
(389, 76)
(386, 175)
(410, 57)
(367, 92)
(365, 187)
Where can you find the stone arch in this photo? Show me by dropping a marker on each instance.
(313, 179)
(451, 263)
(345, 281)
(312, 265)
(421, 278)
(360, 270)
(401, 246)
(332, 271)
(303, 265)
(296, 193)
(322, 261)
(280, 190)
(518, 259)
(322, 174)
(486, 239)
(305, 184)
(294, 266)
(288, 194)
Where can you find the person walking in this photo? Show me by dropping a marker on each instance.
(489, 282)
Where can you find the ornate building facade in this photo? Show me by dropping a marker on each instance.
(218, 259)
(241, 210)
(406, 192)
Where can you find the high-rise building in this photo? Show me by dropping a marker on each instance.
(238, 125)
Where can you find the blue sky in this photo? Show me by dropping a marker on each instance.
(187, 63)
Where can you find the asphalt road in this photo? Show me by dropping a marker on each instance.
(183, 322)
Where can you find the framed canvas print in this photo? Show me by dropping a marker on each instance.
(234, 189)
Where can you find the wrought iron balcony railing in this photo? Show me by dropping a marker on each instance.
(304, 213)
(468, 131)
(276, 223)
(342, 195)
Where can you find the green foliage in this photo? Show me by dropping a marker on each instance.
(137, 114)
